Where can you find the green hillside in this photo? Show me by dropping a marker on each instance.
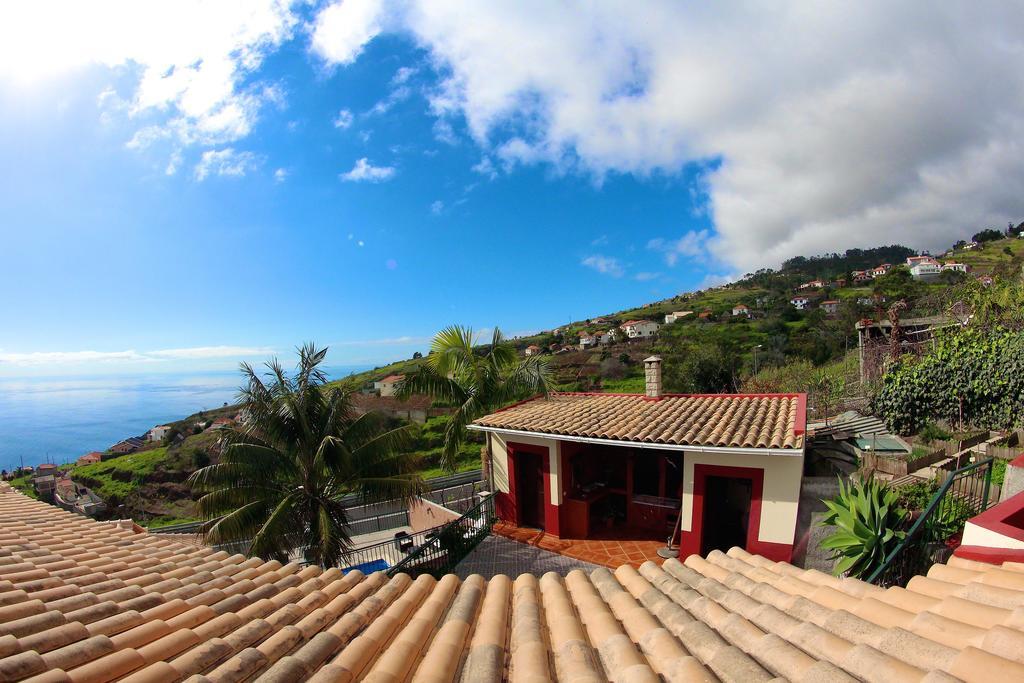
(791, 350)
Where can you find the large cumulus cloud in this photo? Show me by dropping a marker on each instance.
(824, 126)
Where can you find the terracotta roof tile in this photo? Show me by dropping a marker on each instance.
(726, 420)
(731, 617)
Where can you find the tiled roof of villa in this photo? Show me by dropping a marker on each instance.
(90, 601)
(717, 420)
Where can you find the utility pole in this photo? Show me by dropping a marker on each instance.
(755, 357)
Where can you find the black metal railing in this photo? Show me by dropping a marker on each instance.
(962, 494)
(388, 553)
(451, 544)
(457, 492)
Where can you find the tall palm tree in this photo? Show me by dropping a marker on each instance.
(281, 477)
(474, 379)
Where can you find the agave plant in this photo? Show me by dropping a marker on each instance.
(868, 525)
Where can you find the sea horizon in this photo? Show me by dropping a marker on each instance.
(57, 419)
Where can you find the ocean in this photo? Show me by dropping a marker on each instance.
(47, 419)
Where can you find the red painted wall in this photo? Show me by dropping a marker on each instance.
(690, 541)
(508, 504)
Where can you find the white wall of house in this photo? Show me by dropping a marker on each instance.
(975, 534)
(499, 462)
(779, 499)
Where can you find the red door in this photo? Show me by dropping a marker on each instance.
(530, 489)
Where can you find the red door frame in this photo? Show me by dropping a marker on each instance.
(508, 506)
(690, 541)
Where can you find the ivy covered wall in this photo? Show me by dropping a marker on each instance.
(978, 371)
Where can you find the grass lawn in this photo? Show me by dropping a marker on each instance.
(24, 484)
(119, 476)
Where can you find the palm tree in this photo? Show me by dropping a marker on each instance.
(280, 480)
(475, 380)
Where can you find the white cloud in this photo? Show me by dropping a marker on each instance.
(692, 244)
(403, 74)
(394, 97)
(198, 352)
(646, 276)
(129, 356)
(364, 171)
(189, 62)
(606, 265)
(343, 28)
(280, 175)
(485, 167)
(817, 131)
(226, 162)
(343, 119)
(436, 207)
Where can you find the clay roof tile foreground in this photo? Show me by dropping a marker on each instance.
(82, 600)
(717, 420)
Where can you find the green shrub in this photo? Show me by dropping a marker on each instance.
(949, 518)
(915, 497)
(932, 432)
(976, 374)
(868, 524)
(998, 471)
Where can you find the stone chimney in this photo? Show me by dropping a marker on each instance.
(652, 376)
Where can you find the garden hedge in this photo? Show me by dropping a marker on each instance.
(980, 372)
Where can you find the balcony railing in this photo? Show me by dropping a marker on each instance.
(962, 494)
(451, 543)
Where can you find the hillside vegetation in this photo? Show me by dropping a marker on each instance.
(776, 348)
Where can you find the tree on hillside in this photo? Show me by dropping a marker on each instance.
(475, 380)
(279, 483)
(987, 235)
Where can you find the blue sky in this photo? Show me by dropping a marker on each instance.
(363, 173)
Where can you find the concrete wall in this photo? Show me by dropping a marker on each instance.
(807, 551)
(780, 497)
(424, 515)
(975, 535)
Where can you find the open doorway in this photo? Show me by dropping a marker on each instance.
(529, 489)
(726, 514)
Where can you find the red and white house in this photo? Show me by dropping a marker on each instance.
(726, 467)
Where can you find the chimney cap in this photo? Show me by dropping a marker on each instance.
(653, 359)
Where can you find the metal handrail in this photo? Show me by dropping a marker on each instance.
(350, 501)
(433, 549)
(921, 524)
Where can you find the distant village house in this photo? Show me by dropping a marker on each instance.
(158, 433)
(387, 386)
(741, 309)
(676, 315)
(90, 458)
(129, 445)
(639, 329)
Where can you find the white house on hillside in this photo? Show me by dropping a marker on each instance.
(926, 269)
(639, 329)
(676, 315)
(741, 309)
(159, 432)
(799, 302)
(605, 337)
(387, 386)
(587, 340)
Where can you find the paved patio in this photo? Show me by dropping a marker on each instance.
(496, 555)
(628, 548)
